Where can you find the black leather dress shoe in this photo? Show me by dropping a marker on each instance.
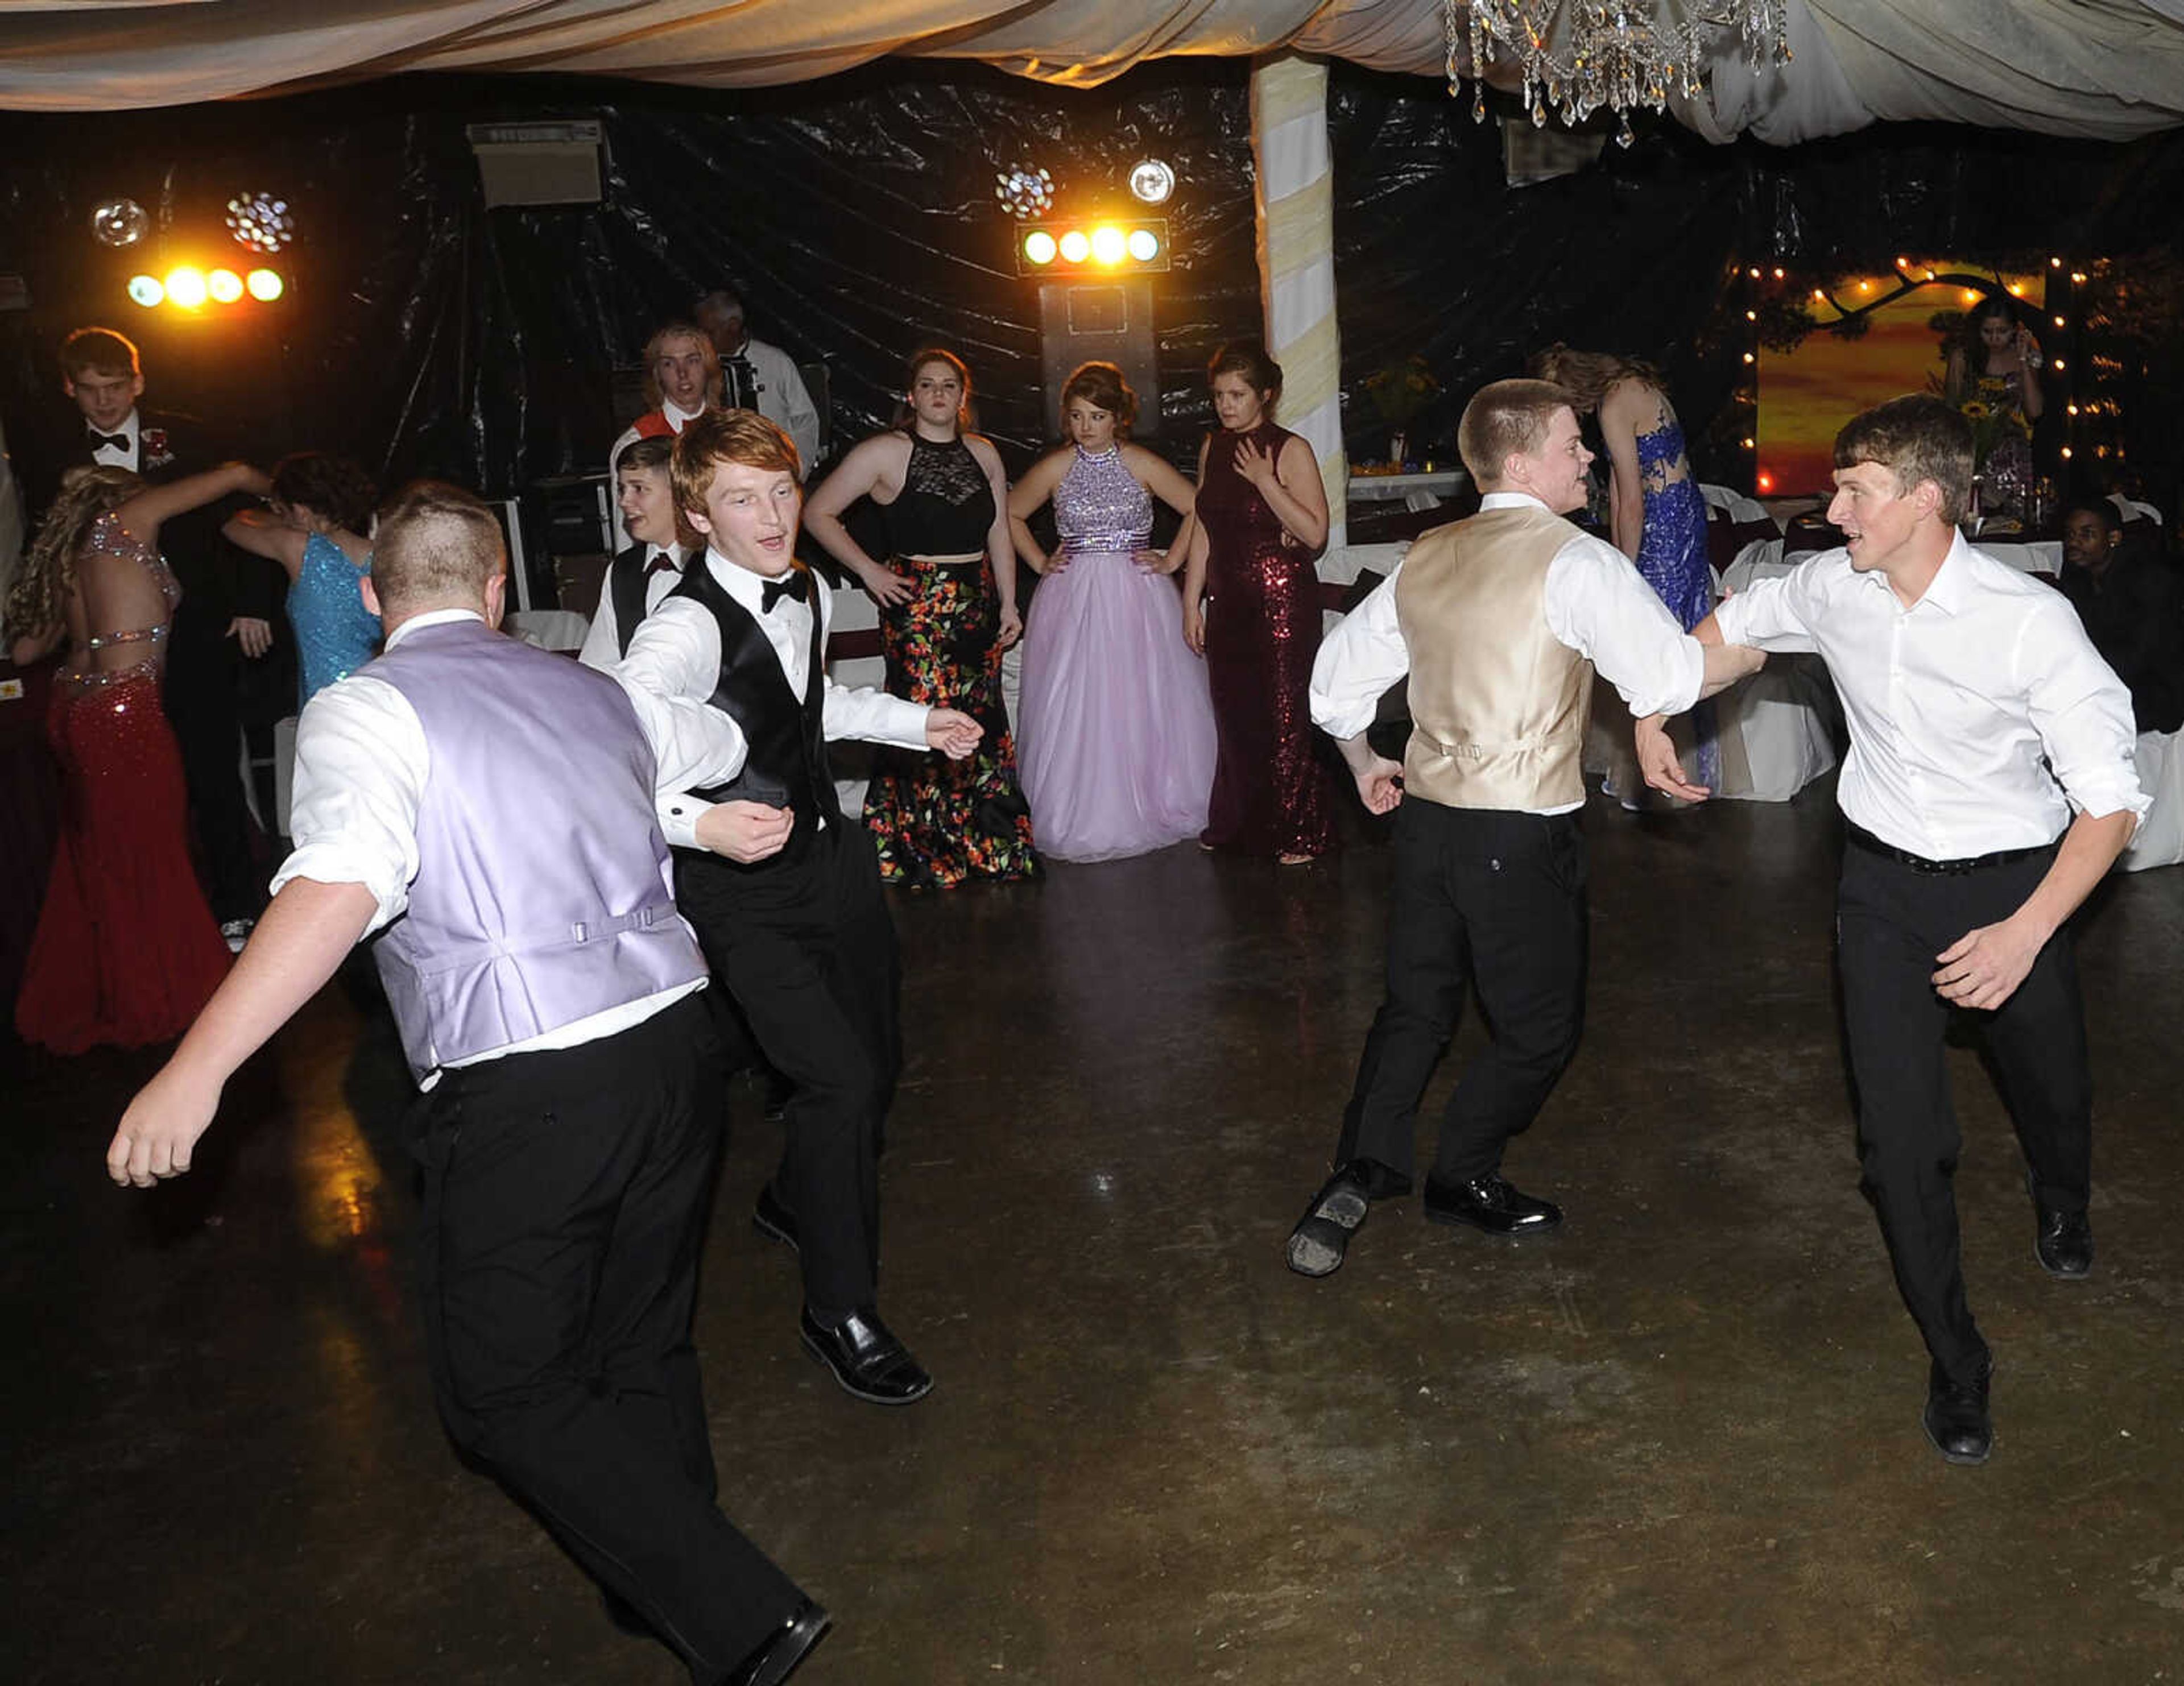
(866, 1359)
(775, 1660)
(2061, 1241)
(1956, 1418)
(774, 1221)
(1321, 1236)
(1491, 1203)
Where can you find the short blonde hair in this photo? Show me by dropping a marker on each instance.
(435, 543)
(658, 344)
(1506, 419)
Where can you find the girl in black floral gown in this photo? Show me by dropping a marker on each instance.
(948, 609)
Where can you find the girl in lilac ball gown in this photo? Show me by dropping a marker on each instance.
(1115, 724)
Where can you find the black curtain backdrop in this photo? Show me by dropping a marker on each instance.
(424, 334)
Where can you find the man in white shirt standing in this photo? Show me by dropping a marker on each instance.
(681, 379)
(1499, 620)
(492, 807)
(760, 376)
(1989, 786)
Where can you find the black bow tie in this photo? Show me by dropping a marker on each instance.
(107, 441)
(795, 583)
(664, 560)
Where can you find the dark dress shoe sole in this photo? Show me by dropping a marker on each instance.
(1320, 1240)
(847, 1383)
(785, 1654)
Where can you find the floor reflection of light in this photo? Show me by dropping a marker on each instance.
(1103, 1183)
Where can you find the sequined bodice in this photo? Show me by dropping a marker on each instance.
(1100, 507)
(1234, 514)
(1661, 455)
(107, 536)
(335, 633)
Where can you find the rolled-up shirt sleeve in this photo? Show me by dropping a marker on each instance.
(361, 764)
(2082, 713)
(1601, 606)
(1770, 614)
(1357, 662)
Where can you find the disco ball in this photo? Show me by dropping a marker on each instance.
(119, 222)
(260, 221)
(1024, 192)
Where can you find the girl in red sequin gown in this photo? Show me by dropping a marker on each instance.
(125, 951)
(1251, 607)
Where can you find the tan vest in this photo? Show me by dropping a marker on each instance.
(1498, 703)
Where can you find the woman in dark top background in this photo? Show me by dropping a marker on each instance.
(1251, 606)
(948, 609)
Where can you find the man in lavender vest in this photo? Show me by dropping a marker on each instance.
(1499, 621)
(493, 806)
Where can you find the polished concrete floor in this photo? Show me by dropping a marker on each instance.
(1677, 1443)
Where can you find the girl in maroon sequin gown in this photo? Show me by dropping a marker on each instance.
(126, 951)
(1251, 606)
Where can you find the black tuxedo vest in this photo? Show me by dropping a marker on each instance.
(785, 766)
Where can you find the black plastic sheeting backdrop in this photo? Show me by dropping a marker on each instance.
(425, 334)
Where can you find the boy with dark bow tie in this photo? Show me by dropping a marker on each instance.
(793, 920)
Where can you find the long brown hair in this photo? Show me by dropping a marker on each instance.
(39, 598)
(905, 413)
(1586, 376)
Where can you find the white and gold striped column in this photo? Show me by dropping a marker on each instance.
(1296, 262)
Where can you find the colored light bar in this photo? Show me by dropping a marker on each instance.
(1137, 244)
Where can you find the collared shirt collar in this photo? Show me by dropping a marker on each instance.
(1946, 590)
(131, 429)
(677, 417)
(1509, 500)
(746, 586)
(431, 617)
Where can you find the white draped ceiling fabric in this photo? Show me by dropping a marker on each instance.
(2101, 68)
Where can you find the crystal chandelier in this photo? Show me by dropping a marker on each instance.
(1579, 55)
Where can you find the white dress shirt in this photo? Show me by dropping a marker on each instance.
(361, 767)
(782, 397)
(114, 456)
(1980, 717)
(678, 419)
(1595, 602)
(603, 641)
(676, 655)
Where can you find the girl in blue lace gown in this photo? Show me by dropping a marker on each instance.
(1657, 514)
(313, 527)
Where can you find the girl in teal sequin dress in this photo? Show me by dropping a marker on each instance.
(320, 506)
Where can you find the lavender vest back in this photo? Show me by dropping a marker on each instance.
(540, 894)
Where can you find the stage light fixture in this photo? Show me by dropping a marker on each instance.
(1145, 245)
(264, 285)
(260, 221)
(225, 285)
(1138, 246)
(1076, 246)
(1151, 180)
(1039, 247)
(119, 222)
(146, 291)
(186, 287)
(1108, 244)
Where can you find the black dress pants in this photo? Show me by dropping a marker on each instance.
(200, 692)
(1892, 921)
(564, 1200)
(1485, 898)
(808, 949)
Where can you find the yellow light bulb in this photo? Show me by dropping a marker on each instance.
(225, 285)
(1108, 245)
(265, 285)
(186, 287)
(1075, 246)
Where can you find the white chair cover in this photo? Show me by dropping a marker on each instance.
(2160, 839)
(549, 629)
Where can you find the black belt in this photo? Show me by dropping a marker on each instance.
(1862, 839)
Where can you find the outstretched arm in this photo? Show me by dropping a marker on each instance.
(307, 929)
(142, 513)
(256, 532)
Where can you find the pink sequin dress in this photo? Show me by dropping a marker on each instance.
(126, 951)
(1272, 796)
